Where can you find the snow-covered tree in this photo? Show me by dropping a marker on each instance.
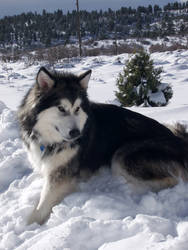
(140, 83)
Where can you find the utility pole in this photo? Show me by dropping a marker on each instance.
(78, 28)
(115, 42)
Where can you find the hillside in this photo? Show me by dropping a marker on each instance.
(30, 31)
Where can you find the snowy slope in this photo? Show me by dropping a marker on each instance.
(105, 214)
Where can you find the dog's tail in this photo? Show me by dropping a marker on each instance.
(180, 130)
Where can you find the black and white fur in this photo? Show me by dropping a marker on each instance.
(68, 138)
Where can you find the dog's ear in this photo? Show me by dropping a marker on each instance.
(84, 78)
(44, 79)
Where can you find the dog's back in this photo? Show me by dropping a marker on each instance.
(112, 127)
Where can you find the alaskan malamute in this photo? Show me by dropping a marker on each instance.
(68, 137)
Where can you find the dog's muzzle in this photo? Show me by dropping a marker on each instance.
(74, 133)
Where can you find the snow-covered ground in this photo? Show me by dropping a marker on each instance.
(146, 43)
(105, 213)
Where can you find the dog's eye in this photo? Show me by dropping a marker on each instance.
(77, 110)
(61, 109)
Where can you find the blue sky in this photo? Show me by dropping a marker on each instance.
(11, 7)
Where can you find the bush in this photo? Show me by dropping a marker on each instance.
(163, 47)
(139, 83)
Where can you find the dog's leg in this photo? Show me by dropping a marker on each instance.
(156, 164)
(52, 193)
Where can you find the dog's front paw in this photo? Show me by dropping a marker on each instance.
(38, 217)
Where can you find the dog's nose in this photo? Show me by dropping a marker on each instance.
(74, 133)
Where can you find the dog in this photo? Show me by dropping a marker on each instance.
(69, 138)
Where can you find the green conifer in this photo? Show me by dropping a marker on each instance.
(140, 83)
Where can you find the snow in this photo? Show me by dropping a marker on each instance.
(105, 213)
(145, 42)
(157, 98)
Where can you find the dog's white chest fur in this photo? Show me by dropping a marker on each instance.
(52, 161)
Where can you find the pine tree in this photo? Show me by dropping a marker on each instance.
(139, 83)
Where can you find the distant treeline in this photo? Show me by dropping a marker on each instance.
(32, 30)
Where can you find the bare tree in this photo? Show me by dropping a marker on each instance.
(78, 28)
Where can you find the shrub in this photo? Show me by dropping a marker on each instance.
(163, 47)
(139, 83)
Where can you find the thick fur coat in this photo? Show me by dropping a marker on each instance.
(68, 138)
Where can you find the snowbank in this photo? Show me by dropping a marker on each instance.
(13, 160)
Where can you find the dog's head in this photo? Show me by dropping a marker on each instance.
(61, 104)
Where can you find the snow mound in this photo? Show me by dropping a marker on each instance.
(16, 76)
(104, 214)
(158, 98)
(13, 163)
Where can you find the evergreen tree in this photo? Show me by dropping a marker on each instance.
(140, 84)
(170, 27)
(150, 9)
